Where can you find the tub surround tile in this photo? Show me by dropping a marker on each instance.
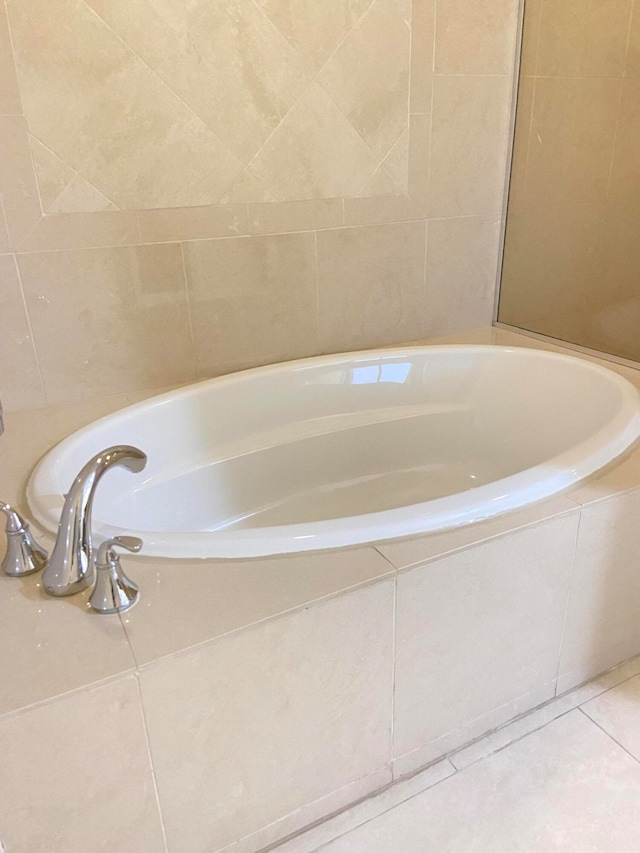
(253, 300)
(308, 681)
(223, 597)
(301, 818)
(79, 231)
(462, 268)
(625, 181)
(410, 762)
(79, 775)
(621, 476)
(422, 49)
(601, 626)
(471, 117)
(381, 210)
(193, 223)
(313, 839)
(632, 69)
(408, 553)
(53, 646)
(9, 94)
(370, 285)
(130, 330)
(476, 38)
(460, 635)
(296, 216)
(20, 378)
(589, 800)
(18, 189)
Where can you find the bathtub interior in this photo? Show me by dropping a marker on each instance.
(346, 438)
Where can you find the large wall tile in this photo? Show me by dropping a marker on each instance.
(585, 40)
(462, 268)
(9, 95)
(422, 51)
(106, 321)
(370, 285)
(18, 188)
(479, 629)
(476, 36)
(602, 626)
(20, 381)
(469, 145)
(75, 776)
(252, 727)
(253, 300)
(633, 56)
(572, 137)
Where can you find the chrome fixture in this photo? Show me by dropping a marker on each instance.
(71, 566)
(24, 556)
(114, 591)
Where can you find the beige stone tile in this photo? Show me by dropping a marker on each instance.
(633, 56)
(5, 242)
(300, 707)
(315, 30)
(370, 285)
(420, 549)
(419, 155)
(9, 93)
(222, 597)
(42, 630)
(311, 841)
(381, 210)
(565, 787)
(544, 715)
(396, 163)
(625, 172)
(83, 230)
(602, 626)
(76, 776)
(79, 196)
(192, 223)
(460, 635)
(258, 73)
(17, 180)
(368, 76)
(122, 313)
(247, 189)
(53, 173)
(20, 381)
(554, 259)
(314, 153)
(253, 300)
(585, 41)
(286, 216)
(381, 184)
(469, 141)
(422, 55)
(476, 37)
(462, 269)
(572, 139)
(127, 132)
(617, 712)
(530, 37)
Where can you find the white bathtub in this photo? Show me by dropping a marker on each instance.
(349, 449)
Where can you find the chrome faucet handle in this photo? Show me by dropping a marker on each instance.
(114, 591)
(24, 556)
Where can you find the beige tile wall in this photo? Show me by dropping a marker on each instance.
(572, 249)
(193, 189)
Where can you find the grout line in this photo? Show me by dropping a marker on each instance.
(30, 328)
(425, 279)
(196, 363)
(154, 778)
(13, 54)
(394, 626)
(317, 283)
(608, 734)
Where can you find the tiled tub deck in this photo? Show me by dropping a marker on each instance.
(241, 701)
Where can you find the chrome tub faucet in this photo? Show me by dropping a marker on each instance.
(71, 566)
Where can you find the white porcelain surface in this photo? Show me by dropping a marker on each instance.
(343, 450)
(285, 713)
(567, 787)
(477, 631)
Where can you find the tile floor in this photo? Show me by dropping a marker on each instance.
(565, 777)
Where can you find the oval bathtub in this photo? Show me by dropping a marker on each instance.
(348, 449)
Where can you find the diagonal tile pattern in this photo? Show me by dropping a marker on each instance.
(164, 104)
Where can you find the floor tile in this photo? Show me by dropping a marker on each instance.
(567, 787)
(617, 712)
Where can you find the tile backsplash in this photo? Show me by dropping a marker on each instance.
(191, 189)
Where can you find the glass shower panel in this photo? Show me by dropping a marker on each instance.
(572, 253)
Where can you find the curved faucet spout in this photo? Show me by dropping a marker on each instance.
(70, 567)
